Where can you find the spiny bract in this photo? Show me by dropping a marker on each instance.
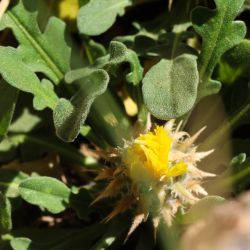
(157, 174)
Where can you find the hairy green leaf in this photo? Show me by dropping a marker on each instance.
(7, 103)
(219, 33)
(98, 16)
(46, 192)
(119, 53)
(17, 74)
(5, 214)
(46, 52)
(164, 45)
(170, 87)
(237, 60)
(25, 123)
(9, 182)
(21, 243)
(69, 116)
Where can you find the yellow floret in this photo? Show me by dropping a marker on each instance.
(148, 156)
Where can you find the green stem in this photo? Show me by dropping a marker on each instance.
(219, 134)
(88, 54)
(236, 178)
(224, 185)
(142, 110)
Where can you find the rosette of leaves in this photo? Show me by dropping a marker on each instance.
(168, 66)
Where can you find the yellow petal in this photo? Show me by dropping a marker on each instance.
(178, 169)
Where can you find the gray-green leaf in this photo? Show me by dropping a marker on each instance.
(69, 116)
(46, 52)
(17, 74)
(219, 33)
(46, 192)
(98, 16)
(9, 182)
(119, 53)
(170, 87)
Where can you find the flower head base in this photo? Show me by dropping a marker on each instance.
(158, 174)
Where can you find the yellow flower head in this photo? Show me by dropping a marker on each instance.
(150, 154)
(158, 174)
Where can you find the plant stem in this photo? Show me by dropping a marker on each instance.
(219, 134)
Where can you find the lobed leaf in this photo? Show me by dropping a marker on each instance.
(219, 33)
(17, 74)
(170, 87)
(46, 192)
(98, 16)
(46, 52)
(119, 53)
(238, 59)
